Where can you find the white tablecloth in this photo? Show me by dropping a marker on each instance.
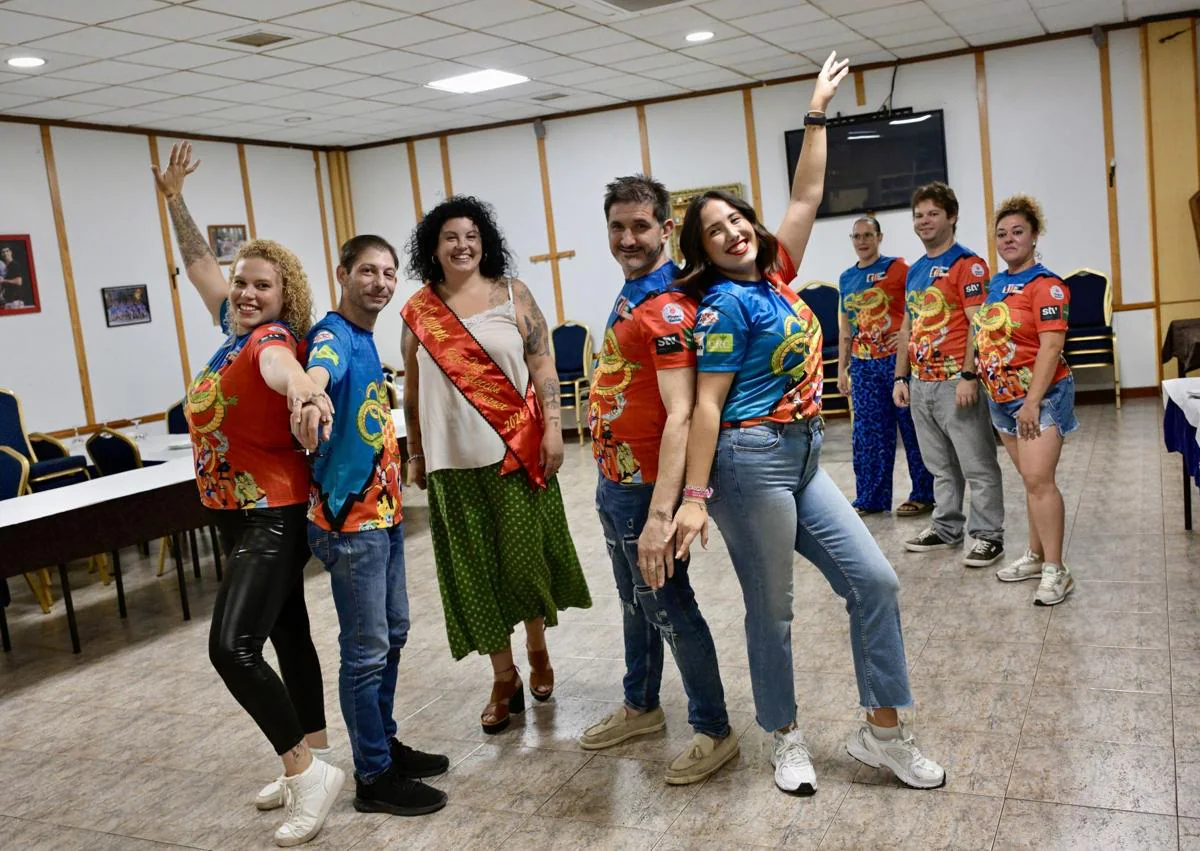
(1184, 392)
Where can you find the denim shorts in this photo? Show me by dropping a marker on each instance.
(1058, 410)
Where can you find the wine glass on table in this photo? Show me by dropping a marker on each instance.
(138, 434)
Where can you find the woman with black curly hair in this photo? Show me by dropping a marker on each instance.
(481, 405)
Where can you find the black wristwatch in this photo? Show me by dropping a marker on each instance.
(814, 119)
(900, 379)
(967, 375)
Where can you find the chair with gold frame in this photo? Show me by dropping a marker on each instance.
(1091, 339)
(823, 300)
(14, 482)
(571, 346)
(43, 474)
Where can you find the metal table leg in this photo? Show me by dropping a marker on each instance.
(1187, 498)
(183, 597)
(195, 552)
(116, 559)
(66, 591)
(216, 550)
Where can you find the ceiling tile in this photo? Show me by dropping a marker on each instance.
(187, 123)
(116, 96)
(540, 26)
(647, 64)
(810, 36)
(423, 74)
(8, 102)
(730, 47)
(108, 71)
(405, 32)
(641, 89)
(254, 92)
(190, 105)
(415, 7)
(84, 11)
(16, 28)
(382, 62)
(46, 87)
(262, 10)
(463, 44)
(926, 48)
(97, 41)
(1082, 13)
(56, 61)
(1005, 34)
(249, 112)
(544, 68)
(848, 7)
(324, 51)
(178, 23)
(1144, 8)
(60, 110)
(580, 40)
(800, 13)
(411, 95)
(341, 17)
(508, 57)
(367, 87)
(183, 56)
(306, 100)
(618, 53)
(901, 39)
(777, 66)
(182, 83)
(988, 22)
(711, 79)
(314, 78)
(484, 14)
(585, 77)
(678, 21)
(678, 40)
(351, 106)
(254, 67)
(129, 116)
(729, 9)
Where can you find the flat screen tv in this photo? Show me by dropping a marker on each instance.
(875, 162)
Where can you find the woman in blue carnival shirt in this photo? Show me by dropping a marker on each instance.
(757, 430)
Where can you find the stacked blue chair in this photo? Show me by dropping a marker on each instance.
(44, 474)
(822, 299)
(572, 344)
(1091, 339)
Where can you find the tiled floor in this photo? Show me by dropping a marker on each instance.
(1067, 728)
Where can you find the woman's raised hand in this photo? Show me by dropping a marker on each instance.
(170, 180)
(832, 72)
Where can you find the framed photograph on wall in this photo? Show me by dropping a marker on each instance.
(126, 305)
(225, 240)
(18, 283)
(679, 205)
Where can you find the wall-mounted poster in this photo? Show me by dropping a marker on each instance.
(225, 240)
(679, 205)
(18, 283)
(126, 305)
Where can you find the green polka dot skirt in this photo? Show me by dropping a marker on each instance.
(504, 555)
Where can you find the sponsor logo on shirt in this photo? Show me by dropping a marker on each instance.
(668, 344)
(672, 313)
(1057, 292)
(322, 337)
(1051, 312)
(698, 339)
(622, 308)
(875, 277)
(325, 352)
(707, 317)
(977, 270)
(973, 289)
(719, 343)
(1013, 288)
(939, 271)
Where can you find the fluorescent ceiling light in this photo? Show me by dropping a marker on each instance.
(702, 35)
(477, 81)
(26, 61)
(863, 136)
(916, 120)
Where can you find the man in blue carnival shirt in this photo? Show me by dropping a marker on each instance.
(355, 530)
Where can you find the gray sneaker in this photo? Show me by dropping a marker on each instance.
(1028, 566)
(1055, 586)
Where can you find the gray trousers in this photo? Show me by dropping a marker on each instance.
(958, 447)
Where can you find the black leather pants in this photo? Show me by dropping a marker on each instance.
(262, 596)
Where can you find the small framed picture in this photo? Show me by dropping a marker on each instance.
(225, 240)
(126, 305)
(18, 283)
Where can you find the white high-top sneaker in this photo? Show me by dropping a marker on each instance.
(270, 797)
(307, 800)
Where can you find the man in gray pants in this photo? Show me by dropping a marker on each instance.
(954, 430)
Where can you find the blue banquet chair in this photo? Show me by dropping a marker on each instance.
(572, 345)
(14, 482)
(1091, 339)
(823, 300)
(45, 474)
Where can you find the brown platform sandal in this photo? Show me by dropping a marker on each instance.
(541, 675)
(507, 699)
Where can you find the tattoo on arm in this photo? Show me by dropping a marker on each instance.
(551, 403)
(192, 244)
(537, 336)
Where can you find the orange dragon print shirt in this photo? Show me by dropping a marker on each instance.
(873, 303)
(1018, 308)
(241, 440)
(938, 292)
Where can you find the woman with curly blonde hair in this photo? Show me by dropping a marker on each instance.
(1019, 334)
(255, 483)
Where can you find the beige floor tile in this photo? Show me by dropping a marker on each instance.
(511, 779)
(1033, 826)
(1095, 774)
(1144, 631)
(1095, 595)
(1189, 834)
(977, 662)
(456, 827)
(979, 708)
(541, 832)
(975, 763)
(1108, 667)
(1187, 772)
(1121, 717)
(21, 833)
(885, 817)
(620, 792)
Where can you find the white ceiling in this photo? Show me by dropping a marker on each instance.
(356, 69)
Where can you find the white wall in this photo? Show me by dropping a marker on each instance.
(115, 237)
(37, 354)
(429, 172)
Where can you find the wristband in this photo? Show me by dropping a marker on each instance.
(967, 375)
(415, 457)
(695, 501)
(900, 379)
(692, 493)
(814, 119)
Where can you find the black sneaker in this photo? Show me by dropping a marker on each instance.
(983, 554)
(398, 796)
(414, 764)
(929, 540)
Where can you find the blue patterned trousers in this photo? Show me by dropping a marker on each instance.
(874, 437)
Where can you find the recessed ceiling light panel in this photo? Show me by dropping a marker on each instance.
(702, 35)
(27, 62)
(477, 81)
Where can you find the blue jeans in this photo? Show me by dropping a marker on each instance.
(771, 499)
(650, 616)
(1057, 410)
(366, 572)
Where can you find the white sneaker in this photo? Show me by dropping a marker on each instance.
(1055, 586)
(270, 797)
(794, 771)
(307, 800)
(900, 756)
(1028, 566)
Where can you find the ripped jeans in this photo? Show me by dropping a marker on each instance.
(650, 617)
